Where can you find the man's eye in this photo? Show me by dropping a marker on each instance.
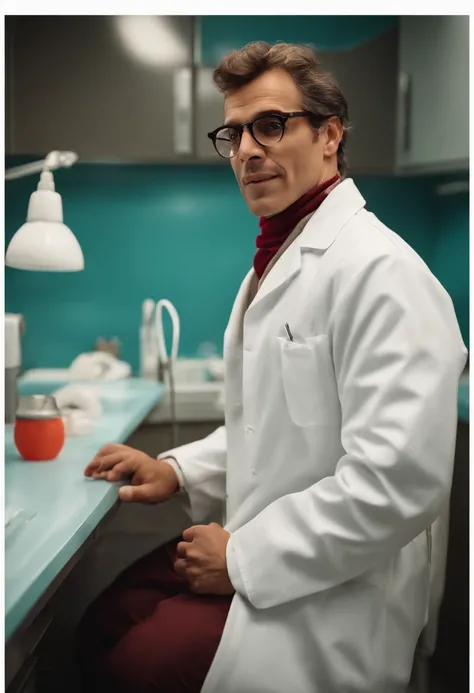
(269, 126)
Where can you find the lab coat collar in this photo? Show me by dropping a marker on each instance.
(319, 233)
(328, 220)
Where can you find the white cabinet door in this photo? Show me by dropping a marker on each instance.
(433, 124)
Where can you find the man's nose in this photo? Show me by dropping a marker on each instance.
(249, 148)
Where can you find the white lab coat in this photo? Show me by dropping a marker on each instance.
(336, 456)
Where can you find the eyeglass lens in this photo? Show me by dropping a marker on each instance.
(267, 131)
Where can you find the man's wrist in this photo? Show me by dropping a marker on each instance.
(172, 462)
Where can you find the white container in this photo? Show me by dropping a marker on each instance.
(13, 330)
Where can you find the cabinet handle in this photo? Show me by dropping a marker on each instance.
(183, 110)
(405, 87)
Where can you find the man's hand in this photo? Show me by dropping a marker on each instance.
(151, 480)
(201, 559)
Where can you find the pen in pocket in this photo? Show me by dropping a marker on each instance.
(287, 328)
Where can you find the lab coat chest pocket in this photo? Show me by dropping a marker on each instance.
(308, 381)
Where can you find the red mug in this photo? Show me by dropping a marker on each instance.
(39, 429)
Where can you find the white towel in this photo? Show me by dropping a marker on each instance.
(79, 406)
(99, 365)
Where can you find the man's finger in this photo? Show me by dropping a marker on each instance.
(181, 549)
(190, 533)
(109, 461)
(109, 449)
(121, 471)
(99, 475)
(91, 467)
(136, 494)
(96, 466)
(180, 567)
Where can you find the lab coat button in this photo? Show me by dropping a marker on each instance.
(248, 430)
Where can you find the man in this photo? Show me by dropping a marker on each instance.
(342, 363)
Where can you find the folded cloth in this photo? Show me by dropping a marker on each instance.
(79, 398)
(99, 365)
(79, 405)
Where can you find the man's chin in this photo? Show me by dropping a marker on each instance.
(265, 207)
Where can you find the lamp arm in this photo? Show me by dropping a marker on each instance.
(52, 161)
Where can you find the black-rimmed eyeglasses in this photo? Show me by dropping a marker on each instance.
(267, 130)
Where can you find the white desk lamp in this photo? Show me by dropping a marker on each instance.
(44, 243)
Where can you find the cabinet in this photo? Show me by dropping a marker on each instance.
(367, 74)
(132, 88)
(111, 88)
(23, 651)
(433, 105)
(209, 114)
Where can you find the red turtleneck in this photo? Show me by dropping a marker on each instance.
(275, 230)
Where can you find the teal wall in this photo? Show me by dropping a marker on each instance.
(184, 233)
(450, 259)
(220, 34)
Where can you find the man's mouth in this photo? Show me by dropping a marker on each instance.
(258, 179)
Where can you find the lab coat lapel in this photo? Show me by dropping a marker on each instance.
(234, 333)
(319, 233)
(324, 226)
(287, 267)
(281, 274)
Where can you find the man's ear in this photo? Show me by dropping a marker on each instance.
(334, 132)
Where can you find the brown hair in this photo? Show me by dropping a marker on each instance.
(321, 94)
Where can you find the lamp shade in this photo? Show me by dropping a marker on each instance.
(44, 243)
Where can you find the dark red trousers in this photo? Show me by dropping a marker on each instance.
(149, 633)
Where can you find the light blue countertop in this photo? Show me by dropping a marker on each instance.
(61, 507)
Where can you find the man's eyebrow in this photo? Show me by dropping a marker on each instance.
(260, 114)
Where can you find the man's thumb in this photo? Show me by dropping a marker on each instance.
(136, 494)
